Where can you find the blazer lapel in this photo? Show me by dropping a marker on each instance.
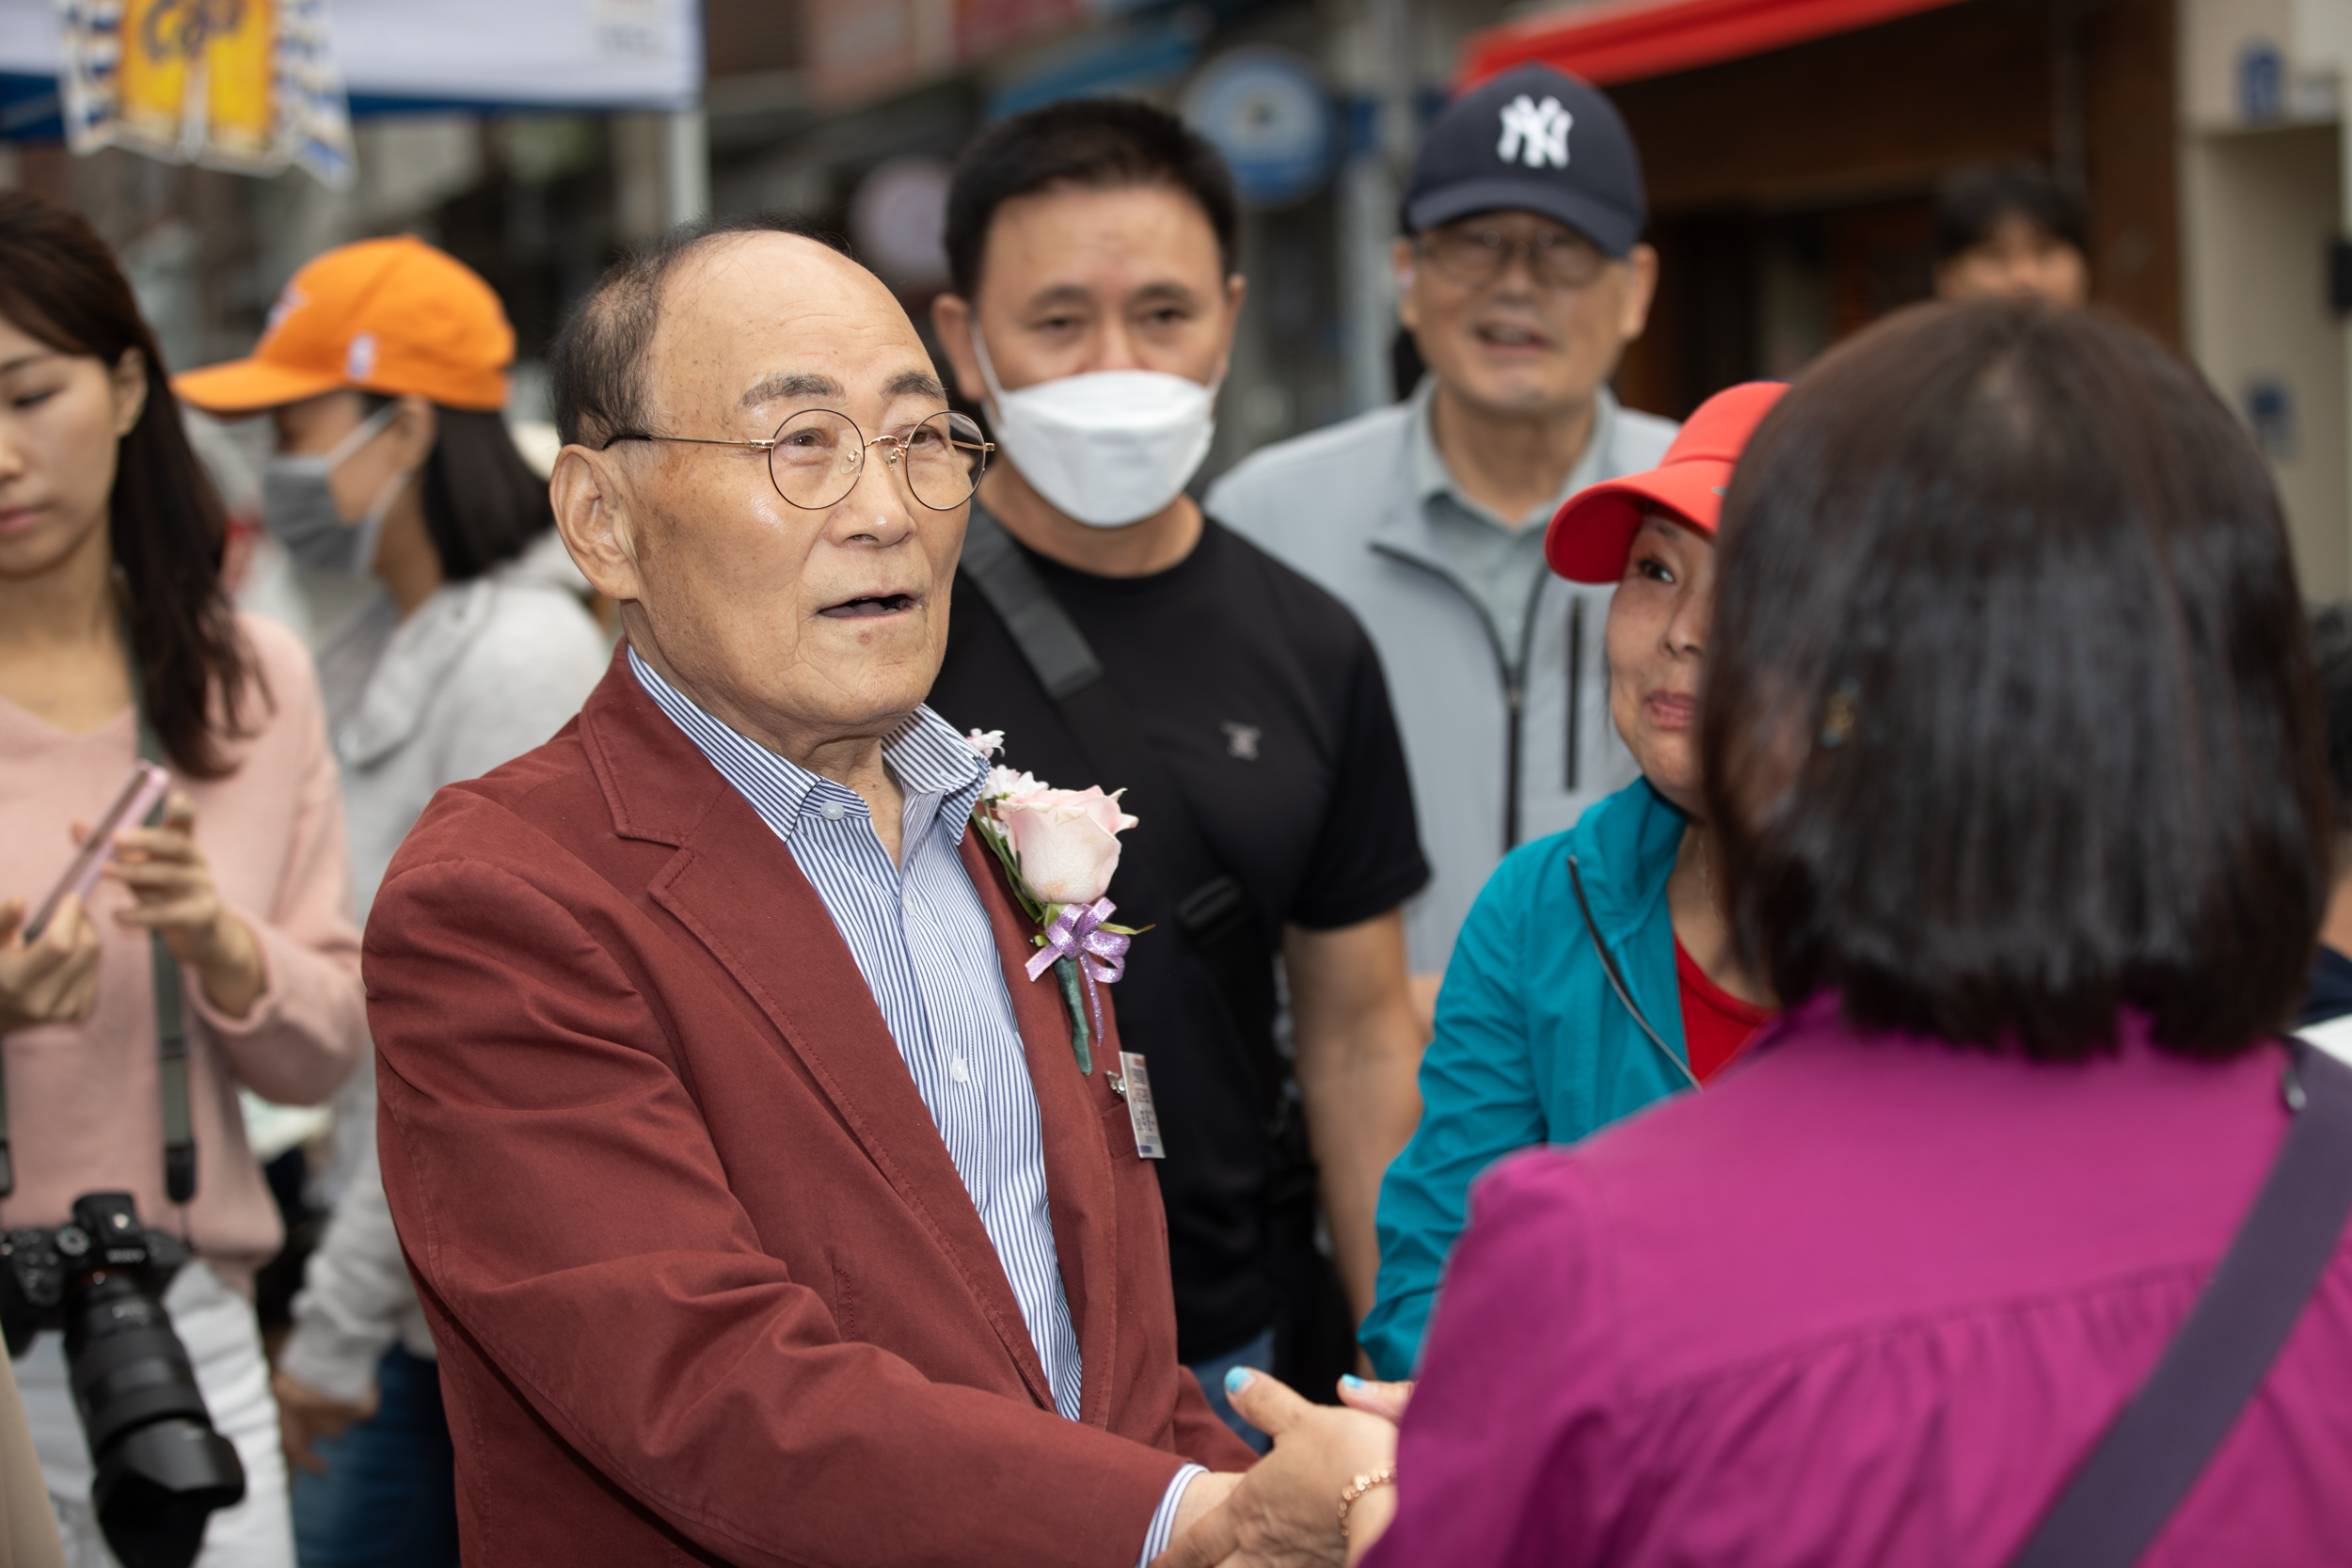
(735, 887)
(1071, 1109)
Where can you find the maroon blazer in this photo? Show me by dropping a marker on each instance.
(706, 1284)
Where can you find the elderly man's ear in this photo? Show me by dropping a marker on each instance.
(592, 515)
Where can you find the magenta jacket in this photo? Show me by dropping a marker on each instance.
(1869, 1300)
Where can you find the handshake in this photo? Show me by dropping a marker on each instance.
(1324, 1493)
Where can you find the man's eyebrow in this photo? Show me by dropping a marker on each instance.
(916, 384)
(1061, 293)
(1159, 290)
(790, 384)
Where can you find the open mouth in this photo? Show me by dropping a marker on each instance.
(869, 605)
(1499, 334)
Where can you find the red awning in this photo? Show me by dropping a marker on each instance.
(1623, 40)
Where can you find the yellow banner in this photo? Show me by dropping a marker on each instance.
(244, 85)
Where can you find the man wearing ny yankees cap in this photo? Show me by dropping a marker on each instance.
(1522, 276)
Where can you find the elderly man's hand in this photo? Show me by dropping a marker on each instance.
(1285, 1512)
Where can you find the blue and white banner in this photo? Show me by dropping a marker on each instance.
(508, 54)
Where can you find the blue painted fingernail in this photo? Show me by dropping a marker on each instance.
(1238, 1379)
(1350, 1381)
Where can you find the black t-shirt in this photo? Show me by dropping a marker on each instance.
(1265, 701)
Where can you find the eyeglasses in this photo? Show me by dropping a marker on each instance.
(1477, 257)
(815, 457)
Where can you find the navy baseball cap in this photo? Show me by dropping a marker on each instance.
(1539, 140)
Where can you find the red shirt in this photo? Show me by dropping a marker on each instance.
(1716, 1026)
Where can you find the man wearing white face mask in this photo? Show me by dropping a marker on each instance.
(1115, 633)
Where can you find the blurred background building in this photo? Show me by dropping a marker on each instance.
(1792, 148)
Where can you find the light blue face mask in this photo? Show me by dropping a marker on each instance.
(299, 505)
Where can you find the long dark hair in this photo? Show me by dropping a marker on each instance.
(2010, 720)
(59, 283)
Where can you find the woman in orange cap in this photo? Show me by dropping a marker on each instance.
(217, 952)
(1595, 974)
(451, 639)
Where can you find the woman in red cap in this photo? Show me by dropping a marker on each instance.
(1594, 975)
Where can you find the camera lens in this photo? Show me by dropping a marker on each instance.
(162, 1469)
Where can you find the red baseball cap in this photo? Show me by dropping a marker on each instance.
(1593, 531)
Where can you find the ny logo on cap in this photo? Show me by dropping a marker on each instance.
(1540, 131)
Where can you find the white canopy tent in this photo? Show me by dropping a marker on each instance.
(513, 53)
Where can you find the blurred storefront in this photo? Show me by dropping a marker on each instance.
(1792, 149)
(1792, 187)
(2265, 199)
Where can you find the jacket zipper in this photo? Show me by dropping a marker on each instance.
(1616, 978)
(1514, 681)
(1514, 684)
(1575, 686)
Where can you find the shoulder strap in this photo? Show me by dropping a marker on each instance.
(2153, 1453)
(1206, 902)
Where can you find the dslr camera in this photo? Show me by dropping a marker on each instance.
(162, 1469)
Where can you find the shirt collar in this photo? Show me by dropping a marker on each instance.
(925, 755)
(1431, 477)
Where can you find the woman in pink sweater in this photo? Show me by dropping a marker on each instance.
(117, 641)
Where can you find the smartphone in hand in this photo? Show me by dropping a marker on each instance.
(139, 796)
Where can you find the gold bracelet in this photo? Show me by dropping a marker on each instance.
(1384, 1475)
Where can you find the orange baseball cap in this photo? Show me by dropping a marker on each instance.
(1593, 531)
(393, 316)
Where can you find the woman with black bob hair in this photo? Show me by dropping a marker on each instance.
(451, 638)
(2028, 634)
(217, 950)
(2011, 738)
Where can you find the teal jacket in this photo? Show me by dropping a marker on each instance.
(1536, 1042)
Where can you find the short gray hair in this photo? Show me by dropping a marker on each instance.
(596, 368)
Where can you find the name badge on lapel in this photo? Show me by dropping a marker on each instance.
(1135, 1085)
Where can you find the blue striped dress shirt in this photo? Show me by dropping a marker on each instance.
(950, 1014)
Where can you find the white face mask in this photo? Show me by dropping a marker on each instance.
(1108, 448)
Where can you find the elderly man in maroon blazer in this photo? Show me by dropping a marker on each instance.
(753, 1191)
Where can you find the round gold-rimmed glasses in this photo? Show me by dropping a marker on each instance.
(815, 457)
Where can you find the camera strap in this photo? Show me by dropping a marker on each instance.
(171, 1025)
(1184, 879)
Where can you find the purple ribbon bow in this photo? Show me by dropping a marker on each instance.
(1077, 933)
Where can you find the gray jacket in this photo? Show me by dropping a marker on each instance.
(481, 674)
(1508, 740)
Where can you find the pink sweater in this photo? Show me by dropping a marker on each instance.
(85, 1112)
